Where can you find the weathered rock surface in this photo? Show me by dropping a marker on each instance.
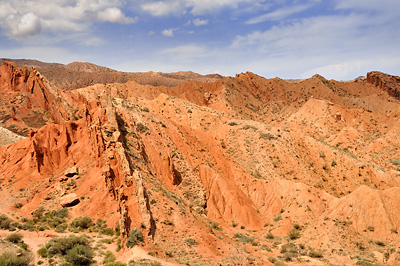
(71, 172)
(69, 200)
(234, 165)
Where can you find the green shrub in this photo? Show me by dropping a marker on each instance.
(9, 258)
(134, 238)
(42, 252)
(244, 238)
(5, 222)
(269, 236)
(38, 213)
(14, 238)
(144, 262)
(107, 231)
(117, 230)
(101, 223)
(61, 245)
(115, 263)
(28, 226)
(81, 223)
(109, 257)
(191, 242)
(315, 254)
(294, 234)
(61, 228)
(79, 255)
(215, 226)
(23, 245)
(18, 205)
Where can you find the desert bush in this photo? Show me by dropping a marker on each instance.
(115, 263)
(16, 225)
(61, 245)
(269, 236)
(9, 258)
(380, 243)
(144, 262)
(79, 255)
(191, 242)
(267, 136)
(5, 222)
(294, 234)
(244, 238)
(134, 238)
(28, 226)
(42, 252)
(109, 257)
(38, 213)
(141, 127)
(81, 223)
(18, 205)
(107, 231)
(315, 253)
(61, 228)
(14, 238)
(215, 226)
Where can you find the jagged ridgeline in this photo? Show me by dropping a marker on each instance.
(182, 168)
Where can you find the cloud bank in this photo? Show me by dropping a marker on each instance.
(23, 18)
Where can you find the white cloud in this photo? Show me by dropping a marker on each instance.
(337, 46)
(278, 14)
(385, 6)
(198, 22)
(23, 18)
(113, 14)
(168, 33)
(20, 26)
(196, 7)
(162, 8)
(323, 33)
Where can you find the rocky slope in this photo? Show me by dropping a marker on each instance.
(243, 170)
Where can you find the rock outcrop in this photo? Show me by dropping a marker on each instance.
(386, 82)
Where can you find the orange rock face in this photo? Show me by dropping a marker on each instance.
(244, 166)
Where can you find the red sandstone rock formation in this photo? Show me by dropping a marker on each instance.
(218, 162)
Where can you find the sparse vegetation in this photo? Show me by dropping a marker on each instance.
(315, 254)
(9, 258)
(109, 257)
(294, 234)
(191, 242)
(245, 239)
(134, 238)
(79, 255)
(81, 224)
(14, 238)
(215, 226)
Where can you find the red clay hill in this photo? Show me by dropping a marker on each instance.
(213, 170)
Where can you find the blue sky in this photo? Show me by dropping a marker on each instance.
(339, 39)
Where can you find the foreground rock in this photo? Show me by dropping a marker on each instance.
(69, 200)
